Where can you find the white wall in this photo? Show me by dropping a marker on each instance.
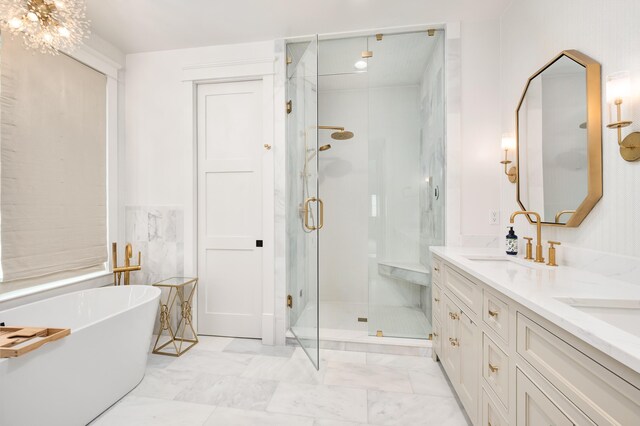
(473, 130)
(160, 158)
(533, 32)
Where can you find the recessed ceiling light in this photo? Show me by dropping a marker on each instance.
(361, 65)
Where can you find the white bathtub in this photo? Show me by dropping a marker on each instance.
(71, 381)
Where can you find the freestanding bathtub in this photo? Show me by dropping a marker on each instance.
(71, 381)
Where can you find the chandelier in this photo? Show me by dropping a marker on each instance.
(46, 25)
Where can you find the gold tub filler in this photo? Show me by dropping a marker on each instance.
(118, 271)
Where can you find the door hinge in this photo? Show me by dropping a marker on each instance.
(289, 107)
(290, 301)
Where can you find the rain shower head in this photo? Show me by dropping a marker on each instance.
(342, 135)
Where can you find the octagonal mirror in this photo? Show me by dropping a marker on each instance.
(559, 140)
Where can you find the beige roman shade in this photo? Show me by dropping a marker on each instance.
(53, 210)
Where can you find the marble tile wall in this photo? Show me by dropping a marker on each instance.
(280, 188)
(158, 232)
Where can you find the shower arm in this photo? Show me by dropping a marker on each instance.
(338, 128)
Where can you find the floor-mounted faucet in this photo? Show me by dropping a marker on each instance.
(539, 257)
(127, 268)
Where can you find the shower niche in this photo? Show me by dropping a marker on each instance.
(382, 189)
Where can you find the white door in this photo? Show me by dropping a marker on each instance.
(230, 145)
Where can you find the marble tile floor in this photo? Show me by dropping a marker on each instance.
(229, 382)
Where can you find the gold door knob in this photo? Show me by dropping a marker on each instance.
(454, 342)
(454, 316)
(267, 146)
(435, 299)
(493, 368)
(493, 313)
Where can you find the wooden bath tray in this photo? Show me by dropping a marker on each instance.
(17, 341)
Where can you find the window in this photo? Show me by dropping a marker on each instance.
(53, 178)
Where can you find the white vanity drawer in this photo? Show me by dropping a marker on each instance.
(464, 289)
(437, 302)
(495, 369)
(602, 395)
(537, 408)
(491, 415)
(495, 314)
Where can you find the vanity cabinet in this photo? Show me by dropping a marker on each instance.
(510, 366)
(460, 351)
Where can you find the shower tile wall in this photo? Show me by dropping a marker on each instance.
(158, 232)
(432, 164)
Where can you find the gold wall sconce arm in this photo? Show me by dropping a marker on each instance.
(511, 172)
(508, 142)
(618, 87)
(629, 145)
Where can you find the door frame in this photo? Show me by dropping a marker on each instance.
(259, 69)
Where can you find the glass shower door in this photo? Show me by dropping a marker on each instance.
(304, 208)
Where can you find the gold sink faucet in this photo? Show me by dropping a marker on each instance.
(539, 257)
(127, 268)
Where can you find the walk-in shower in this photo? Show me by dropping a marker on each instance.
(362, 215)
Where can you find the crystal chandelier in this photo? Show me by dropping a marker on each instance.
(46, 25)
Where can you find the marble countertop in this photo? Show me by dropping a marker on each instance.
(539, 288)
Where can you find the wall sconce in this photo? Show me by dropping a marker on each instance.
(509, 142)
(618, 89)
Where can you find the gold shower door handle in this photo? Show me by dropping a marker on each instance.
(307, 210)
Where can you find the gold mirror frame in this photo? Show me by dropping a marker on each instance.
(594, 137)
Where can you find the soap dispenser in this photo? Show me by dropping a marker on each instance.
(512, 242)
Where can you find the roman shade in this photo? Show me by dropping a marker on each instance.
(53, 210)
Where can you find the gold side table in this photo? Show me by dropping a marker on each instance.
(177, 287)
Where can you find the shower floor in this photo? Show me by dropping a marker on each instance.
(339, 321)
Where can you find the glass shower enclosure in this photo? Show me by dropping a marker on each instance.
(303, 210)
(365, 185)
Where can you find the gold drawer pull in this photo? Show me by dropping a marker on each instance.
(493, 313)
(454, 342)
(435, 299)
(435, 335)
(454, 316)
(493, 368)
(435, 268)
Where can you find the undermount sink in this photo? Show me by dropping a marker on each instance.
(622, 314)
(500, 261)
